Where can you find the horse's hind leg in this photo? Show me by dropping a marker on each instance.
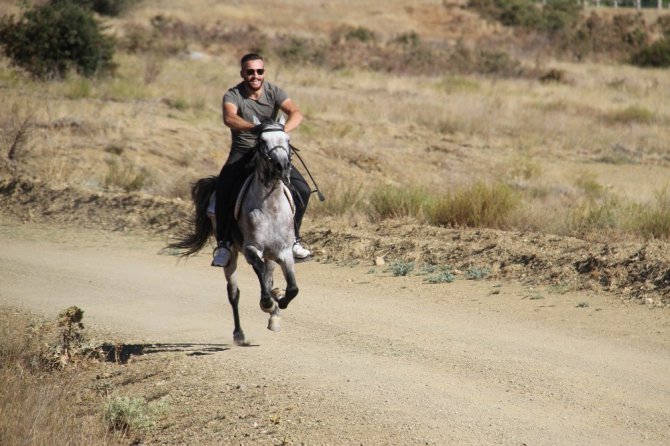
(234, 297)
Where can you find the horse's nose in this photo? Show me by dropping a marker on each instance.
(280, 166)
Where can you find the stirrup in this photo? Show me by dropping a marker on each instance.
(221, 255)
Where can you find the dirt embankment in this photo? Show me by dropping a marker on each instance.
(638, 271)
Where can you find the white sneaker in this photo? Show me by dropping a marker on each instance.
(221, 255)
(299, 252)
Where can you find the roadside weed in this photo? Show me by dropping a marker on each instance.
(477, 273)
(400, 268)
(132, 413)
(443, 275)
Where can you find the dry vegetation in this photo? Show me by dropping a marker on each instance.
(535, 144)
(43, 398)
(397, 124)
(398, 127)
(156, 126)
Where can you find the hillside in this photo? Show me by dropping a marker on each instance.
(596, 136)
(490, 266)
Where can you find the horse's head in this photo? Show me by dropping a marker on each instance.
(273, 151)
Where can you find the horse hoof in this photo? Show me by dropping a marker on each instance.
(291, 293)
(288, 297)
(273, 324)
(276, 294)
(268, 306)
(238, 338)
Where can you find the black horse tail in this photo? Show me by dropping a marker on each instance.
(190, 241)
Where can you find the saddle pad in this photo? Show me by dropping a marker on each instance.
(245, 189)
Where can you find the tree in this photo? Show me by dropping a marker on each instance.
(49, 40)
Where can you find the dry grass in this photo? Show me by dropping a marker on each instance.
(40, 406)
(160, 117)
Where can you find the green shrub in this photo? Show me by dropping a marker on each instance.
(49, 40)
(410, 39)
(498, 63)
(112, 8)
(350, 33)
(477, 273)
(554, 16)
(655, 55)
(558, 15)
(490, 63)
(518, 13)
(361, 34)
(400, 268)
(294, 50)
(443, 276)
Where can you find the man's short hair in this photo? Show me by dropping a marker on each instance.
(250, 56)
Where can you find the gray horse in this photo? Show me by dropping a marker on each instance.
(264, 214)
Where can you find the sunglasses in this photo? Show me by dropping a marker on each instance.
(251, 71)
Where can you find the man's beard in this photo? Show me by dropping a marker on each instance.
(250, 88)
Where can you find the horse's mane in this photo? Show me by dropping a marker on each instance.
(269, 124)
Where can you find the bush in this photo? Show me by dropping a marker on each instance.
(132, 414)
(443, 276)
(497, 63)
(555, 16)
(112, 8)
(559, 15)
(655, 55)
(400, 268)
(49, 40)
(491, 63)
(617, 36)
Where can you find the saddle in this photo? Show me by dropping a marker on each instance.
(211, 207)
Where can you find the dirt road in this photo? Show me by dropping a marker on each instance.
(363, 357)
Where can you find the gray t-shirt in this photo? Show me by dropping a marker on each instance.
(266, 107)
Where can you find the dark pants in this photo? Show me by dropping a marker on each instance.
(237, 168)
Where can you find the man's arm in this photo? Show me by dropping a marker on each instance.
(293, 114)
(232, 120)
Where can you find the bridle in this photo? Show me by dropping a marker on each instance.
(265, 155)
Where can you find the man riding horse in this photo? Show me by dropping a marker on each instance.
(253, 97)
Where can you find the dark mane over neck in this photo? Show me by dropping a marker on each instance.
(271, 126)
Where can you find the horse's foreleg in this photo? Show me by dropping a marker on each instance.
(288, 268)
(269, 276)
(273, 322)
(234, 297)
(255, 259)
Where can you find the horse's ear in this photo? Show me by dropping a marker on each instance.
(256, 121)
(282, 120)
